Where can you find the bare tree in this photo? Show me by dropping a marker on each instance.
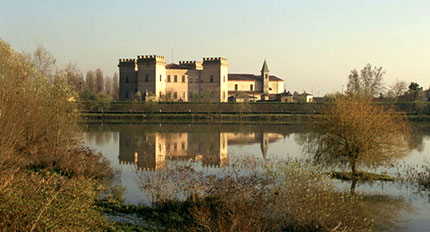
(74, 77)
(355, 131)
(399, 88)
(115, 86)
(90, 79)
(100, 83)
(108, 85)
(44, 61)
(366, 82)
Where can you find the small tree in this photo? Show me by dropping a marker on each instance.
(357, 132)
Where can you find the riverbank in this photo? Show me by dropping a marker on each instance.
(189, 117)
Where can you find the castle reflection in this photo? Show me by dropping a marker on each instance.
(151, 150)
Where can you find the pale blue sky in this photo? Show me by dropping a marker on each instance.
(311, 44)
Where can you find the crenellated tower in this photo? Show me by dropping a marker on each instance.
(151, 72)
(127, 79)
(214, 78)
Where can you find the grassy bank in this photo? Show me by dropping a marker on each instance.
(276, 118)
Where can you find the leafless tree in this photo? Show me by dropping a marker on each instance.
(355, 131)
(108, 85)
(44, 61)
(399, 88)
(115, 86)
(366, 82)
(100, 83)
(90, 79)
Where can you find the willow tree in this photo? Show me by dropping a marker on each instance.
(358, 132)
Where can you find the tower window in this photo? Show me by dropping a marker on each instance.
(251, 87)
(176, 78)
(183, 78)
(267, 76)
(175, 95)
(212, 78)
(223, 78)
(161, 77)
(168, 78)
(236, 87)
(146, 78)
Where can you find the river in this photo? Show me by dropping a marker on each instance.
(136, 148)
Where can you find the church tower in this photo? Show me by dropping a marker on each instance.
(265, 77)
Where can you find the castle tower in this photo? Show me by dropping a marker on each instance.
(265, 77)
(151, 72)
(127, 79)
(214, 78)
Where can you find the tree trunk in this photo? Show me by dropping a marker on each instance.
(352, 162)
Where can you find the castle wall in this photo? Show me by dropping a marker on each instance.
(242, 85)
(276, 86)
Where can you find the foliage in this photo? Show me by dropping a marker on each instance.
(356, 131)
(366, 82)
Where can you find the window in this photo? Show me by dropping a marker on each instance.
(212, 78)
(176, 78)
(175, 95)
(223, 95)
(183, 95)
(236, 87)
(146, 78)
(126, 94)
(183, 146)
(251, 87)
(175, 146)
(267, 76)
(223, 78)
(126, 79)
(168, 78)
(161, 77)
(183, 78)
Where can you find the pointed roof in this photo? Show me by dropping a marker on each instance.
(265, 68)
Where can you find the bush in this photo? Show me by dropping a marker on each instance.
(47, 182)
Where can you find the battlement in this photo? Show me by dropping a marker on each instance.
(151, 58)
(127, 62)
(192, 64)
(215, 60)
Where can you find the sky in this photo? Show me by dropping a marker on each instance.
(311, 44)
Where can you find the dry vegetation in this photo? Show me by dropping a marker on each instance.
(47, 182)
(255, 196)
(356, 131)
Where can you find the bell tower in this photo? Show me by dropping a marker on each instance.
(265, 77)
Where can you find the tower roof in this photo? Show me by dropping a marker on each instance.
(264, 68)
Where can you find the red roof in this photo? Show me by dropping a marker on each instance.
(250, 77)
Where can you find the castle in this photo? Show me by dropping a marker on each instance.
(150, 78)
